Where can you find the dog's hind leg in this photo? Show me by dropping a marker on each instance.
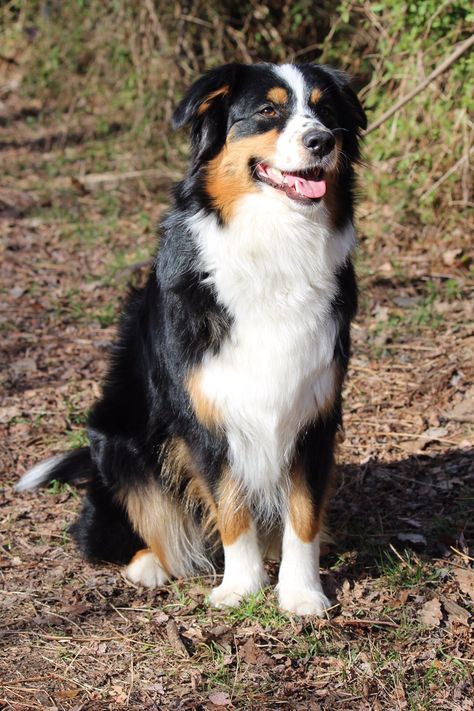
(175, 545)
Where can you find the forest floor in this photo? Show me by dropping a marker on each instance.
(75, 232)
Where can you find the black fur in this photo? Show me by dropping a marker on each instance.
(168, 325)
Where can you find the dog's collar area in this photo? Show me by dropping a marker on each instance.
(304, 185)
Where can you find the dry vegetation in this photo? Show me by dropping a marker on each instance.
(87, 159)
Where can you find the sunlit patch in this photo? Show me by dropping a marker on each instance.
(278, 95)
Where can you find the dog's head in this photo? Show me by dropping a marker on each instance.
(289, 129)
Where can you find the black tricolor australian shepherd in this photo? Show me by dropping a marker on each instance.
(217, 423)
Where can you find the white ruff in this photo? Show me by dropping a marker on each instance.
(273, 268)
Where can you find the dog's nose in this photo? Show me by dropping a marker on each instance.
(320, 143)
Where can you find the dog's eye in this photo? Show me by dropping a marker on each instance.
(268, 112)
(325, 112)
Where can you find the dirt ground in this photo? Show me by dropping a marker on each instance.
(400, 568)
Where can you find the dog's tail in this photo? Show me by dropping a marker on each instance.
(73, 467)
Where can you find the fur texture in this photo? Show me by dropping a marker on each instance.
(215, 432)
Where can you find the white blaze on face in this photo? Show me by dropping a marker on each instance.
(291, 153)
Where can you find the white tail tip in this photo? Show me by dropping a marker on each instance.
(38, 475)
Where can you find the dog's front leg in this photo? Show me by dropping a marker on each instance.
(244, 572)
(299, 584)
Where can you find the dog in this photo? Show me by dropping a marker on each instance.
(215, 433)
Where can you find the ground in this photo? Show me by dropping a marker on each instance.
(75, 231)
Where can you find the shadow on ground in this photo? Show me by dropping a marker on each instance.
(425, 503)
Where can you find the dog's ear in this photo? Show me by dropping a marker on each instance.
(343, 82)
(205, 108)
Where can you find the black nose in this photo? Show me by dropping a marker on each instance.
(320, 143)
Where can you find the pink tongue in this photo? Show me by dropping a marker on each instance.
(308, 188)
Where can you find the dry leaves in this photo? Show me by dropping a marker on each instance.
(430, 613)
(465, 578)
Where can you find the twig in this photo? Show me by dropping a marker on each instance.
(366, 623)
(446, 175)
(463, 555)
(422, 85)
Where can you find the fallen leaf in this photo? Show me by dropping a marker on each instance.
(450, 255)
(465, 578)
(157, 687)
(456, 613)
(463, 411)
(387, 269)
(24, 365)
(68, 693)
(430, 614)
(252, 654)
(220, 698)
(435, 432)
(8, 413)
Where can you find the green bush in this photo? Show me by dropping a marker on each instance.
(128, 61)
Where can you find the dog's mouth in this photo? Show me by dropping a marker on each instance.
(302, 185)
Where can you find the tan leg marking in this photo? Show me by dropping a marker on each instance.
(303, 516)
(233, 515)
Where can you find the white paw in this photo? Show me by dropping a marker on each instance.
(229, 594)
(304, 601)
(146, 570)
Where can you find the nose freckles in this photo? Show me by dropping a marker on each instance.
(320, 143)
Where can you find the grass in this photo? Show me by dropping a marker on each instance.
(405, 571)
(261, 606)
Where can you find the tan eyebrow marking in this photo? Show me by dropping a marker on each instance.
(316, 95)
(278, 95)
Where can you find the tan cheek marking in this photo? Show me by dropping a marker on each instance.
(223, 91)
(278, 95)
(206, 411)
(303, 516)
(315, 95)
(228, 178)
(233, 516)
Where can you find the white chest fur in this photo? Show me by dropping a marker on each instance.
(273, 268)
